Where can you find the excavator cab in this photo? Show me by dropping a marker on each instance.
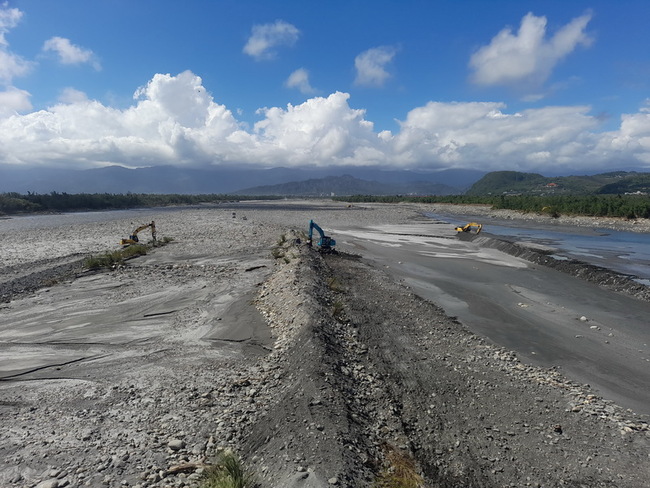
(325, 243)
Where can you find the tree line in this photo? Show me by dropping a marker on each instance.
(16, 203)
(624, 206)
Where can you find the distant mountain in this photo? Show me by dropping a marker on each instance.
(349, 185)
(514, 182)
(170, 179)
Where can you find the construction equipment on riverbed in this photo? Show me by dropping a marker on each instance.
(469, 227)
(133, 238)
(325, 243)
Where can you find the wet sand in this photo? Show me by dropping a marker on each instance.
(550, 319)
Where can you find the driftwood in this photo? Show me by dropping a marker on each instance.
(186, 468)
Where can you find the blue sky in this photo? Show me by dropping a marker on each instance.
(546, 86)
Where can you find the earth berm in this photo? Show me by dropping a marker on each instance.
(364, 369)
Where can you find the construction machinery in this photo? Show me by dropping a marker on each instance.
(469, 227)
(325, 243)
(133, 238)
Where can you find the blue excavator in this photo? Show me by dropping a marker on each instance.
(325, 243)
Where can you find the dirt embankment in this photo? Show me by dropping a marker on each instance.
(365, 372)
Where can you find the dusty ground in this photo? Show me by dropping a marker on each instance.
(138, 376)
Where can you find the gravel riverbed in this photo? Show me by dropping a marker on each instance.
(319, 370)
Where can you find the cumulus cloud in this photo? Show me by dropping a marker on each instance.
(300, 79)
(266, 38)
(371, 65)
(174, 120)
(321, 131)
(69, 53)
(527, 58)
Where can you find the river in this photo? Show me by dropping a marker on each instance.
(624, 252)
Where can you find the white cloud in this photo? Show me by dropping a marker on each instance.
(72, 95)
(175, 121)
(69, 53)
(265, 38)
(300, 79)
(321, 131)
(371, 65)
(9, 18)
(481, 134)
(11, 65)
(14, 100)
(527, 58)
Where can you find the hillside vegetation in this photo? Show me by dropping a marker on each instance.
(515, 182)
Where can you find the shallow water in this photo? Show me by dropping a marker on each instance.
(623, 252)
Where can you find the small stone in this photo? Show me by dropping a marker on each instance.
(583, 319)
(333, 481)
(176, 444)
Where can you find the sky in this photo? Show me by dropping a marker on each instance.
(550, 86)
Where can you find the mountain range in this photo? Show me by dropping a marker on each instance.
(170, 179)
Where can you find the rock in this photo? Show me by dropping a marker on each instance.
(333, 481)
(52, 483)
(176, 444)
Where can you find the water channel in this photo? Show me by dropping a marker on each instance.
(624, 252)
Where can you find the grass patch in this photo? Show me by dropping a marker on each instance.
(337, 308)
(115, 258)
(401, 472)
(228, 472)
(277, 252)
(335, 285)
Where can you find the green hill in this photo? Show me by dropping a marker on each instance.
(518, 183)
(638, 182)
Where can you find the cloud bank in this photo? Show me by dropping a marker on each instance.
(174, 120)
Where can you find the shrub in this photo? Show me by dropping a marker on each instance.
(228, 472)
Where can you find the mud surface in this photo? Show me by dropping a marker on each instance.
(319, 370)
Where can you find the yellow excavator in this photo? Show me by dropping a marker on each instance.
(469, 227)
(133, 238)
